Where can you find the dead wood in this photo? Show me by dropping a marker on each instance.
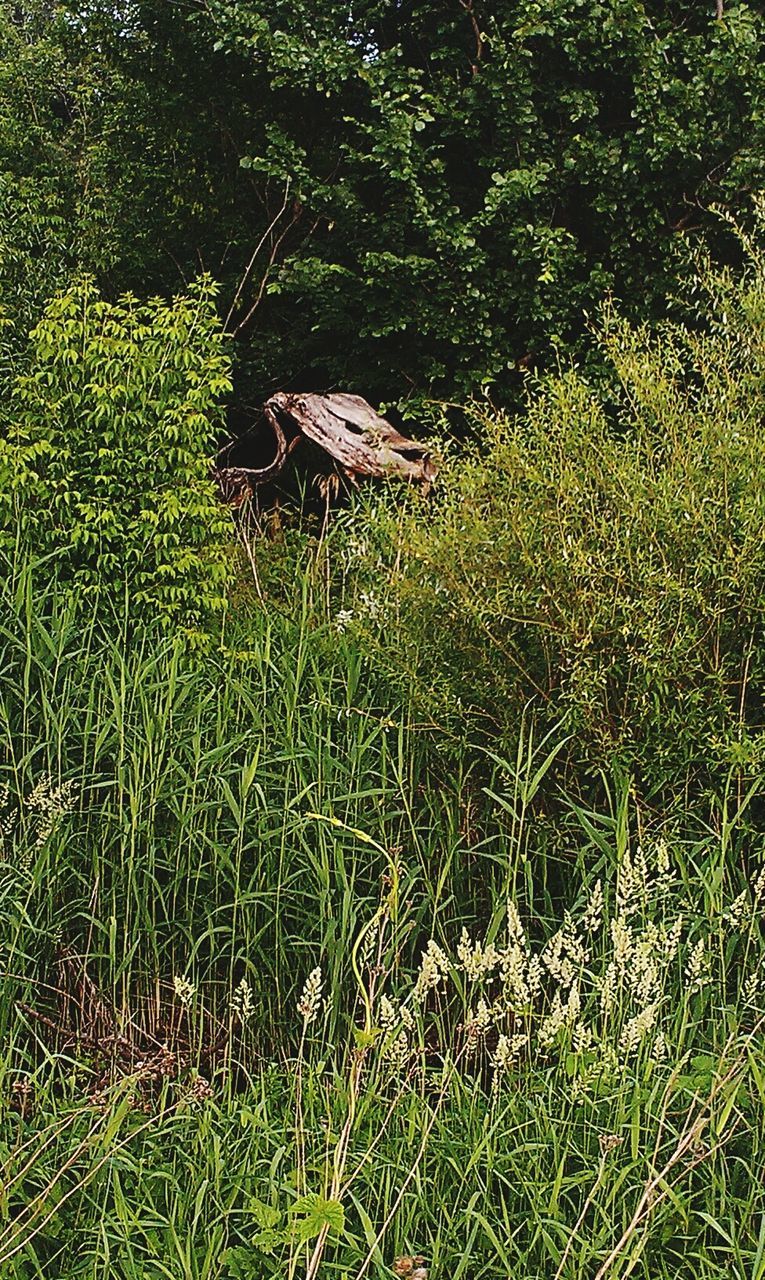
(358, 440)
(238, 483)
(354, 436)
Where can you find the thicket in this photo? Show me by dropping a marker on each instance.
(110, 425)
(321, 952)
(598, 557)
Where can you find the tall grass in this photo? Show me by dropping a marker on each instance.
(191, 849)
(231, 820)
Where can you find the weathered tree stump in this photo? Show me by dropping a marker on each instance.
(357, 439)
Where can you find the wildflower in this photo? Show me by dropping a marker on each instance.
(184, 990)
(671, 939)
(635, 1030)
(534, 976)
(738, 914)
(607, 987)
(751, 988)
(434, 967)
(505, 1054)
(659, 1050)
(564, 955)
(514, 968)
(397, 1022)
(630, 884)
(242, 1002)
(608, 1060)
(515, 933)
(572, 943)
(560, 1015)
(643, 972)
(646, 985)
(387, 1015)
(622, 942)
(391, 1015)
(342, 619)
(51, 805)
(758, 887)
(310, 1000)
(367, 948)
(478, 1023)
(7, 817)
(662, 866)
(581, 1038)
(554, 960)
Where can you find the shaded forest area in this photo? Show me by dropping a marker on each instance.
(404, 200)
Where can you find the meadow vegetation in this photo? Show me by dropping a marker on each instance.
(416, 912)
(383, 893)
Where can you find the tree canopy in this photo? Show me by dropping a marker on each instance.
(403, 197)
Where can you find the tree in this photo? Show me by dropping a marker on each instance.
(408, 198)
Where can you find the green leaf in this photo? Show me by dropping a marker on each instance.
(265, 1215)
(312, 1213)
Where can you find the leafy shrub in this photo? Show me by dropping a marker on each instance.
(104, 459)
(602, 561)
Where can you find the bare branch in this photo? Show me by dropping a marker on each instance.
(255, 252)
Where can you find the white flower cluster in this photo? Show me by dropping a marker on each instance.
(242, 1002)
(476, 961)
(49, 804)
(397, 1022)
(184, 990)
(8, 818)
(597, 991)
(434, 968)
(309, 1003)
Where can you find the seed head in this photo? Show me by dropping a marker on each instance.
(697, 968)
(434, 967)
(310, 1000)
(184, 990)
(242, 1002)
(593, 912)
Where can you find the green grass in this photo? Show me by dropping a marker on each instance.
(244, 814)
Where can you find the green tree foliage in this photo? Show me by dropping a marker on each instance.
(475, 175)
(39, 148)
(438, 191)
(608, 568)
(103, 461)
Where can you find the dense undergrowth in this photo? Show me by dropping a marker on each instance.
(600, 555)
(402, 908)
(508, 1060)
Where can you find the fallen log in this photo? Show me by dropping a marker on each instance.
(358, 440)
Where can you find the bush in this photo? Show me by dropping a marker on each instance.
(104, 459)
(605, 562)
